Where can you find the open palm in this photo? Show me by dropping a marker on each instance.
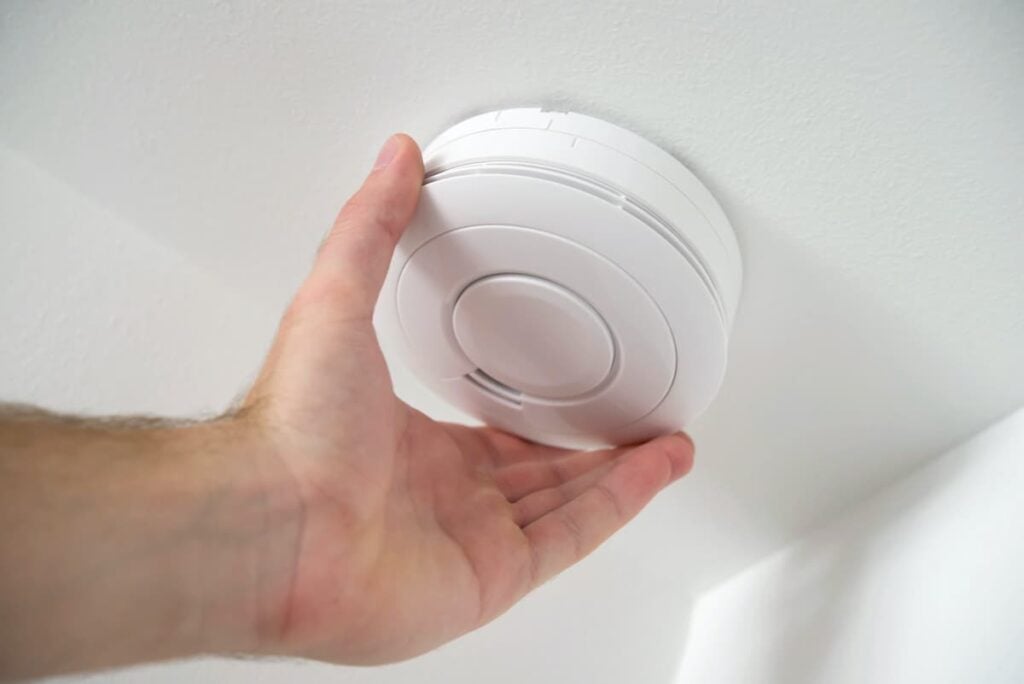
(412, 531)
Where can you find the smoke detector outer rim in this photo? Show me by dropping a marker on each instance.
(648, 247)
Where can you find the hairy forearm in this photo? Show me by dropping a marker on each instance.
(126, 541)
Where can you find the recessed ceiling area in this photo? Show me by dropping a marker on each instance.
(869, 156)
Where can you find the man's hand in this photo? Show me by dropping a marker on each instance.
(324, 518)
(414, 531)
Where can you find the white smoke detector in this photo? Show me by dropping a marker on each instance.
(564, 279)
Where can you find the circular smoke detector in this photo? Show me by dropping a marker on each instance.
(563, 279)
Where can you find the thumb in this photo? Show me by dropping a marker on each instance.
(353, 260)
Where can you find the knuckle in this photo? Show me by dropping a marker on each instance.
(362, 213)
(575, 532)
(602, 490)
(560, 470)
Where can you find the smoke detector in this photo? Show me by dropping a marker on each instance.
(563, 279)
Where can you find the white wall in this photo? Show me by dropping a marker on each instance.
(923, 583)
(97, 317)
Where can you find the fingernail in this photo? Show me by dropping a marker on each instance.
(387, 153)
(687, 438)
(684, 464)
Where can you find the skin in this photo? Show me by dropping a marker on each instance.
(323, 518)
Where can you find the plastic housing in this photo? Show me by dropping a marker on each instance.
(564, 279)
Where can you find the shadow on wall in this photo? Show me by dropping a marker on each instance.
(825, 584)
(829, 394)
(918, 584)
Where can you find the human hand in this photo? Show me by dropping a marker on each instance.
(412, 531)
(323, 518)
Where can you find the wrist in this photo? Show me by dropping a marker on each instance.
(127, 542)
(242, 520)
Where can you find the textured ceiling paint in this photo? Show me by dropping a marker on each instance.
(869, 154)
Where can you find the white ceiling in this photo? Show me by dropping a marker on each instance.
(869, 154)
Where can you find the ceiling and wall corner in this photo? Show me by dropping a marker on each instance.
(869, 156)
(918, 583)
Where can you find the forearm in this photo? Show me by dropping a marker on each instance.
(125, 543)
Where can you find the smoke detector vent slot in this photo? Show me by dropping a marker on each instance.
(499, 390)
